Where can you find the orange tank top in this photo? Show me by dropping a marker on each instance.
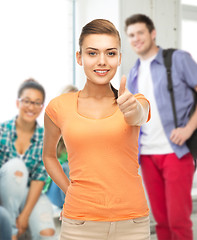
(103, 161)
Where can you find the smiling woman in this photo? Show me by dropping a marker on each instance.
(30, 101)
(22, 173)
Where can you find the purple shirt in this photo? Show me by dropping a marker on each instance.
(184, 78)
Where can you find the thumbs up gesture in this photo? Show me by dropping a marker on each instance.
(131, 108)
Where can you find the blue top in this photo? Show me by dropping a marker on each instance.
(33, 155)
(184, 78)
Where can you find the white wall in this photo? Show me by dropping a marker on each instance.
(189, 26)
(34, 43)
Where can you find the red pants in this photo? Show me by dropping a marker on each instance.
(168, 182)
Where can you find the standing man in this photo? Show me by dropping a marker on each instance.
(167, 165)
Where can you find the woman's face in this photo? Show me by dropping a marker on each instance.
(30, 104)
(100, 56)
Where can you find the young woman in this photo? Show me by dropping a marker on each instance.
(100, 126)
(22, 173)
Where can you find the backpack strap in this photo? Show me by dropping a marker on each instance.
(167, 57)
(191, 142)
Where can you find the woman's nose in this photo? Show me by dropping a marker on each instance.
(102, 59)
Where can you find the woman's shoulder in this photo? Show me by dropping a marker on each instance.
(59, 106)
(64, 97)
(63, 101)
(69, 95)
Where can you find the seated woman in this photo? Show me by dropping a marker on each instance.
(22, 173)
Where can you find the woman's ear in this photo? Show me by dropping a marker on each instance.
(17, 103)
(78, 57)
(120, 59)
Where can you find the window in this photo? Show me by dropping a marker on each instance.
(36, 41)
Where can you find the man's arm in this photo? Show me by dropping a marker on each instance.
(182, 134)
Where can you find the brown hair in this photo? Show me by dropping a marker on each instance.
(140, 18)
(31, 83)
(98, 26)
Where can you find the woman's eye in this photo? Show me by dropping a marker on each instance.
(111, 53)
(38, 104)
(92, 53)
(26, 101)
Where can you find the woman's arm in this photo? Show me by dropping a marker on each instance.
(33, 196)
(51, 137)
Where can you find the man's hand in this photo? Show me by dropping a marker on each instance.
(180, 135)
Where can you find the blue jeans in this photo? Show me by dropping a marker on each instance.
(5, 225)
(13, 194)
(54, 193)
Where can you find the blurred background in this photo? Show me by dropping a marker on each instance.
(39, 38)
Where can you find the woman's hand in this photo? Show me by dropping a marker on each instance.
(132, 109)
(22, 223)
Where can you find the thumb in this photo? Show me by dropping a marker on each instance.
(122, 85)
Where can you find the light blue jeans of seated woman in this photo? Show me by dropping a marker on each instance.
(5, 225)
(13, 194)
(54, 193)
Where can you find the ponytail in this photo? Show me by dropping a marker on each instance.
(115, 91)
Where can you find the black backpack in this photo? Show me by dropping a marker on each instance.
(192, 141)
